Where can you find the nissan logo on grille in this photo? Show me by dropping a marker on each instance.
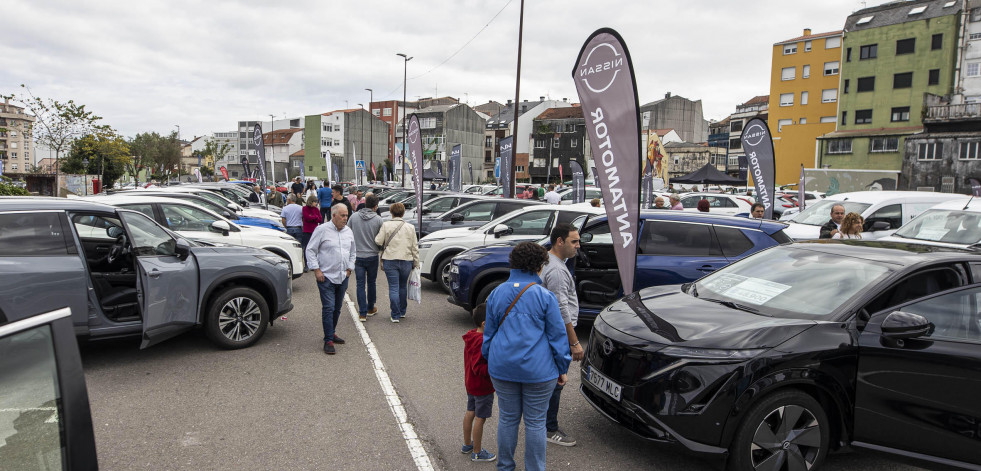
(608, 347)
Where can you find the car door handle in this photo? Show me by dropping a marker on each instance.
(706, 268)
(155, 273)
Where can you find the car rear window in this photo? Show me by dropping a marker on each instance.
(733, 242)
(677, 239)
(32, 234)
(781, 237)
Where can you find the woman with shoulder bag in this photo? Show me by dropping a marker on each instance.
(399, 255)
(527, 353)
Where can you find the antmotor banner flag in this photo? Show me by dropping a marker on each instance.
(578, 182)
(456, 175)
(415, 158)
(758, 145)
(260, 150)
(507, 160)
(604, 79)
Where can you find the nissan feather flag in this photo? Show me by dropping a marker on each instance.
(260, 150)
(456, 175)
(578, 182)
(245, 164)
(975, 187)
(507, 160)
(415, 158)
(758, 145)
(605, 82)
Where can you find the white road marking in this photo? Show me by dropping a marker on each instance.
(416, 449)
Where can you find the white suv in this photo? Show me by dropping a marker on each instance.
(529, 223)
(197, 223)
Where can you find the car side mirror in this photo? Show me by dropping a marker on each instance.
(233, 206)
(905, 325)
(585, 238)
(880, 226)
(500, 230)
(182, 249)
(426, 210)
(221, 226)
(455, 218)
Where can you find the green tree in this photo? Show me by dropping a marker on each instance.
(151, 151)
(107, 154)
(216, 150)
(58, 124)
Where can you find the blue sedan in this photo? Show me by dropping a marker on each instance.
(673, 247)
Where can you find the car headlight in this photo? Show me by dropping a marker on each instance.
(471, 255)
(273, 259)
(424, 246)
(297, 245)
(710, 353)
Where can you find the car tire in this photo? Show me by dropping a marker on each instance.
(486, 291)
(442, 274)
(237, 318)
(787, 426)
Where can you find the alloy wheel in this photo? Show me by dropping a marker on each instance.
(444, 276)
(239, 319)
(788, 438)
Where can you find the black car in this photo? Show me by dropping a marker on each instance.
(802, 349)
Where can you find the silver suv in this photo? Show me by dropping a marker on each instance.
(123, 274)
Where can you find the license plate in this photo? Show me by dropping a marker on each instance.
(604, 384)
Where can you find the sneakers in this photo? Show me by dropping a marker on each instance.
(329, 348)
(339, 340)
(466, 449)
(483, 456)
(559, 438)
(363, 318)
(373, 311)
(395, 320)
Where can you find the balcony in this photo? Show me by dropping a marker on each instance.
(962, 112)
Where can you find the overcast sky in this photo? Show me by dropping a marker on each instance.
(150, 65)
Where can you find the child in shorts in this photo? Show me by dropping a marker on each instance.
(480, 391)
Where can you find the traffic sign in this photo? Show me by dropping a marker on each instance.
(497, 168)
(359, 165)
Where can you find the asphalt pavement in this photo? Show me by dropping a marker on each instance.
(283, 404)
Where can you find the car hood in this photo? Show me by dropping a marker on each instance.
(450, 233)
(257, 233)
(799, 231)
(668, 316)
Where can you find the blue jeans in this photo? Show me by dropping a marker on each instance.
(296, 232)
(552, 417)
(513, 401)
(331, 300)
(397, 273)
(366, 269)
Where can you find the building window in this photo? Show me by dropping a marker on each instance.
(905, 46)
(969, 150)
(975, 15)
(934, 78)
(296, 164)
(863, 116)
(736, 126)
(555, 143)
(829, 96)
(234, 173)
(827, 119)
(900, 114)
(973, 69)
(831, 68)
(848, 54)
(788, 73)
(735, 144)
(783, 122)
(519, 168)
(844, 86)
(903, 80)
(13, 166)
(844, 118)
(974, 36)
(539, 143)
(790, 49)
(489, 141)
(832, 43)
(884, 144)
(555, 163)
(786, 99)
(376, 112)
(803, 121)
(869, 51)
(807, 46)
(805, 71)
(574, 143)
(931, 151)
(865, 84)
(839, 146)
(937, 42)
(427, 123)
(803, 98)
(386, 112)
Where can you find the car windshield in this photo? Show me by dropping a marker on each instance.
(817, 214)
(944, 225)
(792, 282)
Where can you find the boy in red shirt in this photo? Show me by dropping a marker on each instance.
(480, 391)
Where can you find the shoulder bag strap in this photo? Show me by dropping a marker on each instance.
(390, 236)
(508, 311)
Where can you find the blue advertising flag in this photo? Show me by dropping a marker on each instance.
(507, 160)
(758, 145)
(604, 79)
(456, 176)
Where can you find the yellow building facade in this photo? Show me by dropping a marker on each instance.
(803, 99)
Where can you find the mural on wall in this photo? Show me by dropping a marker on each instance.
(832, 182)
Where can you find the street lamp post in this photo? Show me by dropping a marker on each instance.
(362, 149)
(405, 71)
(272, 147)
(371, 135)
(85, 163)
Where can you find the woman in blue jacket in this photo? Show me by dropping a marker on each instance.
(527, 352)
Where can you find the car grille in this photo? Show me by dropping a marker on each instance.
(623, 361)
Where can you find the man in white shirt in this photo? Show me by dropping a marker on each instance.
(552, 197)
(330, 254)
(292, 215)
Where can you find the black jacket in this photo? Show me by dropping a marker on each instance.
(827, 228)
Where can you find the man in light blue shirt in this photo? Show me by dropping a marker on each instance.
(330, 254)
(292, 215)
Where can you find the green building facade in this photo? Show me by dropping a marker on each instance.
(892, 55)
